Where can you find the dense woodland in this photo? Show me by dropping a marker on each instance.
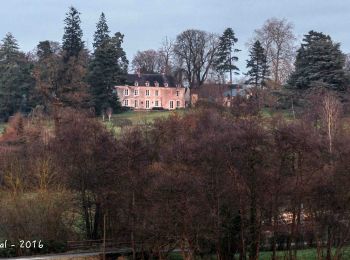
(214, 181)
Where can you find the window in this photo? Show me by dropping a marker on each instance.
(147, 83)
(156, 92)
(136, 83)
(178, 103)
(147, 103)
(166, 84)
(177, 93)
(136, 92)
(171, 104)
(156, 103)
(126, 92)
(126, 102)
(156, 84)
(136, 103)
(147, 92)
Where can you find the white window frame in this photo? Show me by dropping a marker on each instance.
(126, 102)
(156, 103)
(178, 103)
(147, 104)
(148, 92)
(156, 93)
(136, 103)
(177, 93)
(136, 92)
(171, 104)
(126, 92)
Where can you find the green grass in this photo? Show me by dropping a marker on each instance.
(2, 128)
(134, 118)
(287, 114)
(141, 117)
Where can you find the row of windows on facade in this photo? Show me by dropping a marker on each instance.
(156, 84)
(148, 92)
(156, 103)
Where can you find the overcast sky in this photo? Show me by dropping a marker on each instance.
(146, 23)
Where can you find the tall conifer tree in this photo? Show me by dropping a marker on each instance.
(15, 78)
(102, 32)
(73, 89)
(319, 62)
(225, 54)
(72, 38)
(257, 65)
(109, 63)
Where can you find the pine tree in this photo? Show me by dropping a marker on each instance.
(102, 32)
(72, 38)
(257, 65)
(225, 54)
(109, 63)
(15, 78)
(72, 87)
(319, 62)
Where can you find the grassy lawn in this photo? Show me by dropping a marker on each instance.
(133, 118)
(141, 117)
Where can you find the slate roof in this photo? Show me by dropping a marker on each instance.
(151, 78)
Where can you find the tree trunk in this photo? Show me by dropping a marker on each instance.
(254, 246)
(329, 243)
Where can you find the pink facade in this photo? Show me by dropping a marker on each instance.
(147, 97)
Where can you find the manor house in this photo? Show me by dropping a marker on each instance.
(152, 91)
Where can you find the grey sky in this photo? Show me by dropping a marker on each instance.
(145, 23)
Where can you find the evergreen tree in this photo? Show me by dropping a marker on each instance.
(319, 62)
(15, 78)
(102, 32)
(257, 65)
(225, 54)
(72, 38)
(108, 65)
(72, 87)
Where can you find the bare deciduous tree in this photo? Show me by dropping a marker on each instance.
(278, 39)
(330, 114)
(195, 52)
(148, 61)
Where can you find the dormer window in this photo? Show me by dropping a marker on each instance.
(147, 83)
(156, 84)
(166, 84)
(136, 83)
